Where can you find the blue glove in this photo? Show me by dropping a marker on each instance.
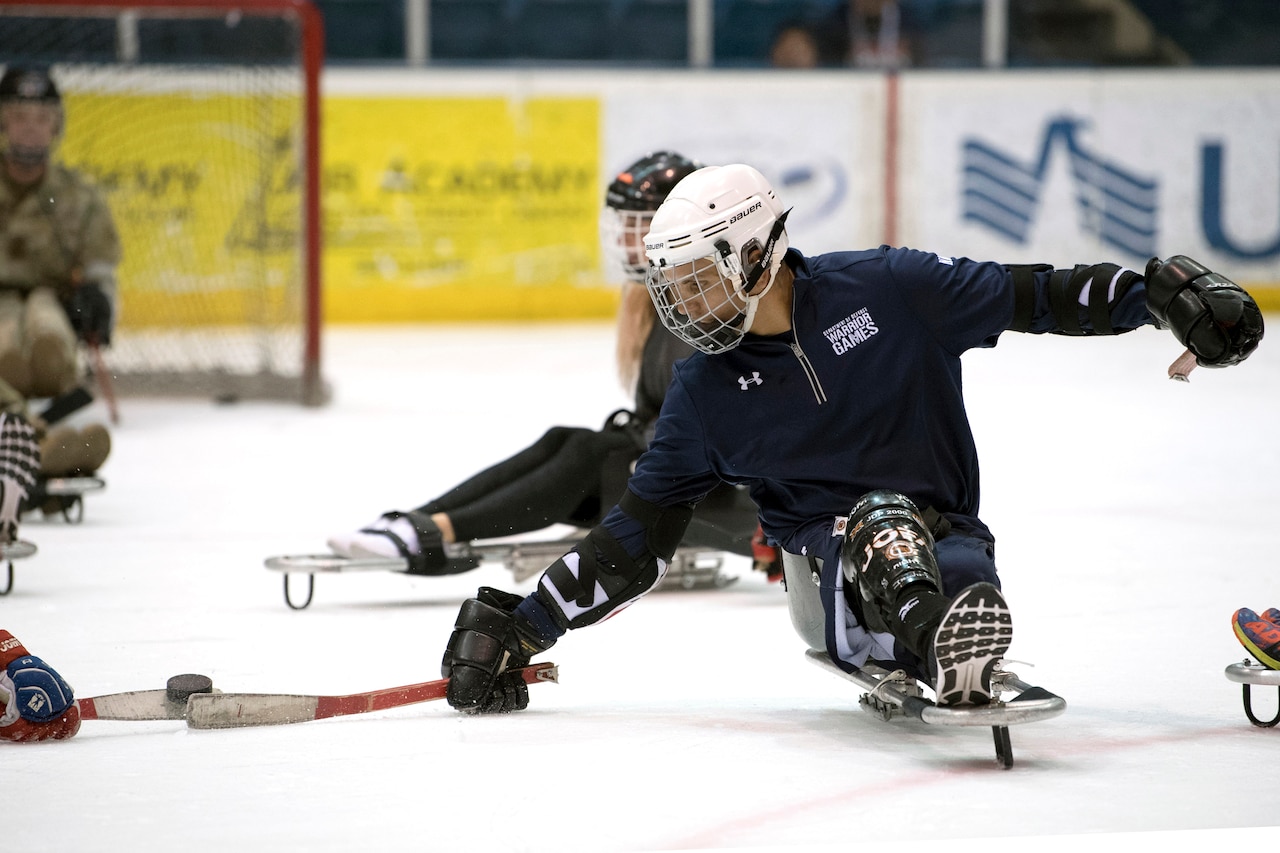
(37, 691)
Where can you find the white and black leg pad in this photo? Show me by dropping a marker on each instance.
(19, 464)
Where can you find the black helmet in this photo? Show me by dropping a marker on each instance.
(28, 83)
(645, 184)
(629, 204)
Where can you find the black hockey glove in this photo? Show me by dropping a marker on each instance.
(89, 310)
(489, 641)
(1209, 314)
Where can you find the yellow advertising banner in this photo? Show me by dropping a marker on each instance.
(203, 187)
(448, 208)
(434, 208)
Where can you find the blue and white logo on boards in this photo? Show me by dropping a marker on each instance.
(1003, 192)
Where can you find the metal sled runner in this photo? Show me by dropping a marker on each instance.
(691, 568)
(892, 694)
(1249, 673)
(19, 550)
(67, 493)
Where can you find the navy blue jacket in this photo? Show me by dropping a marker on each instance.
(865, 392)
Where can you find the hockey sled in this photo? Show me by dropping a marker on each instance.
(691, 568)
(1249, 673)
(64, 493)
(893, 694)
(19, 550)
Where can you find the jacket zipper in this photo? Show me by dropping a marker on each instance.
(809, 372)
(805, 364)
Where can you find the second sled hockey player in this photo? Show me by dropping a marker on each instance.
(573, 475)
(831, 386)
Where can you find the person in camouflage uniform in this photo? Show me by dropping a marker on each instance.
(59, 250)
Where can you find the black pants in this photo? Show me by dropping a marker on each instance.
(574, 475)
(556, 480)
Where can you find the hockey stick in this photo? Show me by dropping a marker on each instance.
(103, 377)
(236, 710)
(137, 705)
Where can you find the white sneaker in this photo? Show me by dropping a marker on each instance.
(384, 538)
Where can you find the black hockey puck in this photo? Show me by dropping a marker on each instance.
(182, 686)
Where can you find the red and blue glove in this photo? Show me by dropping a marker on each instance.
(35, 702)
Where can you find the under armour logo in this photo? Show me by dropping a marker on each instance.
(755, 377)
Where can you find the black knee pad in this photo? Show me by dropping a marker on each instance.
(887, 548)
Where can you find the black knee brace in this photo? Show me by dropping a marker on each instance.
(887, 548)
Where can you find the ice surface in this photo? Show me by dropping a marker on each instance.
(1134, 515)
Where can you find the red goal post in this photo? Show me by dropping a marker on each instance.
(200, 119)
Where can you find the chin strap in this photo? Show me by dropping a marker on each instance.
(752, 276)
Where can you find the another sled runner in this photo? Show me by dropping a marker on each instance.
(62, 496)
(691, 568)
(19, 550)
(1249, 673)
(892, 694)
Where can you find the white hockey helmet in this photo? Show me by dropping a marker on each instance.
(710, 243)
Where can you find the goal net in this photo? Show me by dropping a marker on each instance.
(200, 121)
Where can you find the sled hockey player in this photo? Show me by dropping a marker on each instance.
(36, 703)
(59, 250)
(831, 386)
(572, 475)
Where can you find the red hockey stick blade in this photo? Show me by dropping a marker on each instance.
(235, 710)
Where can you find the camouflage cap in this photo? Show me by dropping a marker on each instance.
(28, 83)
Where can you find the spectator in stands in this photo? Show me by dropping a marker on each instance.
(877, 34)
(794, 46)
(58, 255)
(859, 34)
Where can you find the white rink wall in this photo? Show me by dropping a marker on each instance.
(1056, 167)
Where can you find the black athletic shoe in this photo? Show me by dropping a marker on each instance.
(974, 635)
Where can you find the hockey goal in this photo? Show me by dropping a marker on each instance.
(200, 120)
